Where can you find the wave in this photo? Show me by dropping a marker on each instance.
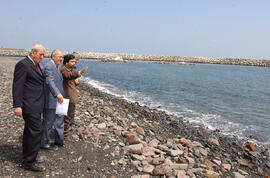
(210, 121)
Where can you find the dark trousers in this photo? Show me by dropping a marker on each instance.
(31, 137)
(71, 109)
(71, 119)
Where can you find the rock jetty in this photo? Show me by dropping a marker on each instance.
(114, 138)
(111, 57)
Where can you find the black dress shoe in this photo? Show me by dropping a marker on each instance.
(33, 167)
(46, 147)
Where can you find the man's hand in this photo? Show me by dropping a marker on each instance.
(76, 82)
(60, 98)
(84, 69)
(18, 112)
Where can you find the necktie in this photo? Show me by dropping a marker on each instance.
(57, 68)
(37, 67)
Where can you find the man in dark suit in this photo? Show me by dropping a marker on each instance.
(54, 92)
(28, 102)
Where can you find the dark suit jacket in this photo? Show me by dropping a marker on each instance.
(53, 84)
(69, 84)
(28, 87)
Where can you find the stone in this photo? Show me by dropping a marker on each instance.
(227, 166)
(133, 124)
(169, 171)
(149, 159)
(182, 141)
(135, 176)
(136, 162)
(163, 147)
(133, 139)
(168, 161)
(213, 141)
(251, 146)
(243, 172)
(179, 166)
(138, 157)
(197, 144)
(218, 162)
(196, 170)
(204, 152)
(122, 161)
(102, 126)
(145, 176)
(210, 175)
(254, 154)
(140, 131)
(169, 143)
(117, 133)
(190, 160)
(254, 137)
(159, 171)
(75, 137)
(148, 168)
(175, 152)
(238, 175)
(154, 143)
(181, 160)
(157, 161)
(158, 151)
(181, 174)
(134, 147)
(148, 151)
(243, 162)
(209, 165)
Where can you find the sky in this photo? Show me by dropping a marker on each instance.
(209, 28)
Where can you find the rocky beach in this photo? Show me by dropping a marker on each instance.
(116, 138)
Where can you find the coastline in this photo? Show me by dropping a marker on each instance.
(157, 59)
(119, 138)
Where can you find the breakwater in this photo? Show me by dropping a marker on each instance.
(152, 58)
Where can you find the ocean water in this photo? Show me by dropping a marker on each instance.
(232, 99)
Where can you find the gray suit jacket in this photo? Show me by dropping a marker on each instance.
(53, 84)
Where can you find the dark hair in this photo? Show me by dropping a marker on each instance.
(67, 58)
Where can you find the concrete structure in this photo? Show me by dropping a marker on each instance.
(154, 58)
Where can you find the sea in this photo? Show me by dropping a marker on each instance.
(232, 99)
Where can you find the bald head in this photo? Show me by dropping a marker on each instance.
(57, 56)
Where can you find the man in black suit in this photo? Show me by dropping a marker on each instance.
(28, 102)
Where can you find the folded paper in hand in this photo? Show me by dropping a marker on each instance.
(62, 108)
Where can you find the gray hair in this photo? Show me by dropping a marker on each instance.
(77, 55)
(54, 52)
(35, 47)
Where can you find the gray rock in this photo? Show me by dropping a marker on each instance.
(179, 166)
(238, 175)
(148, 168)
(175, 152)
(213, 141)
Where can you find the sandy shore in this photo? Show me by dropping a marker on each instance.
(115, 138)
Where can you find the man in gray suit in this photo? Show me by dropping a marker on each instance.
(53, 92)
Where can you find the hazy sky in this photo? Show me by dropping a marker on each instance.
(213, 28)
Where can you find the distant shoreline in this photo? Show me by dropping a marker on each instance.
(115, 57)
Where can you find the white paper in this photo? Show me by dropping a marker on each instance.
(62, 108)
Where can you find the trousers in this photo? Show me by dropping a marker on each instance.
(31, 137)
(50, 119)
(71, 109)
